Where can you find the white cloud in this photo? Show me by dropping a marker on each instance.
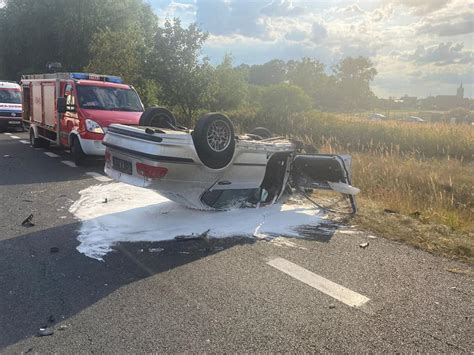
(318, 32)
(387, 31)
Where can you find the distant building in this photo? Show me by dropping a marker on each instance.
(447, 102)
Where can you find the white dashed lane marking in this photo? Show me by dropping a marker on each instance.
(326, 286)
(98, 177)
(69, 163)
(24, 142)
(15, 137)
(52, 155)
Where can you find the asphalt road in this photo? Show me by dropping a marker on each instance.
(227, 295)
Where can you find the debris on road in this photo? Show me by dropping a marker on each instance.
(62, 327)
(332, 306)
(54, 250)
(105, 200)
(364, 245)
(155, 250)
(28, 222)
(44, 332)
(371, 237)
(390, 211)
(7, 156)
(193, 236)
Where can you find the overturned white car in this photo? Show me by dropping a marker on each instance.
(212, 168)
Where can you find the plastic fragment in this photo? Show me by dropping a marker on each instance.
(28, 222)
(45, 331)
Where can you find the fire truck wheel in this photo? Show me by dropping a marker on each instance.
(35, 142)
(77, 153)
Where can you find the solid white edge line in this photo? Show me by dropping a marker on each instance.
(69, 163)
(15, 137)
(51, 155)
(98, 177)
(336, 291)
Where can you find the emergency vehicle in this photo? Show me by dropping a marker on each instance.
(10, 105)
(73, 110)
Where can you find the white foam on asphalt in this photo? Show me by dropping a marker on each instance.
(320, 283)
(116, 212)
(99, 177)
(51, 155)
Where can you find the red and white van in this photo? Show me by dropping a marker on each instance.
(73, 110)
(10, 105)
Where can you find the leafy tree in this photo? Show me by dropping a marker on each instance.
(128, 60)
(270, 73)
(184, 78)
(229, 88)
(306, 73)
(40, 31)
(353, 77)
(279, 103)
(309, 74)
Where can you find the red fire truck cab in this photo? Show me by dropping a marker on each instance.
(73, 110)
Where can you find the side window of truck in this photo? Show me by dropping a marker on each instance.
(70, 99)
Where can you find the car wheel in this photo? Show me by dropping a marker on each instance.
(77, 153)
(214, 140)
(158, 117)
(262, 132)
(35, 142)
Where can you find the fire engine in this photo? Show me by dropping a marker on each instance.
(10, 105)
(73, 110)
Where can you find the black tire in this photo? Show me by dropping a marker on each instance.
(262, 132)
(77, 153)
(35, 142)
(158, 117)
(44, 143)
(214, 140)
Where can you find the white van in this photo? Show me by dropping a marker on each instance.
(10, 105)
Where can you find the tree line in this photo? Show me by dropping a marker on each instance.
(165, 63)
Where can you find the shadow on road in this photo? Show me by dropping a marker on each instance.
(22, 165)
(40, 286)
(45, 280)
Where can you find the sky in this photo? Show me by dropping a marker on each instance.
(419, 47)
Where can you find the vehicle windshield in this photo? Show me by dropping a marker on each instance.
(10, 96)
(108, 98)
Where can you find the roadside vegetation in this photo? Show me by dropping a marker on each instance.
(416, 179)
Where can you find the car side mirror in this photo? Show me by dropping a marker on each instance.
(61, 105)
